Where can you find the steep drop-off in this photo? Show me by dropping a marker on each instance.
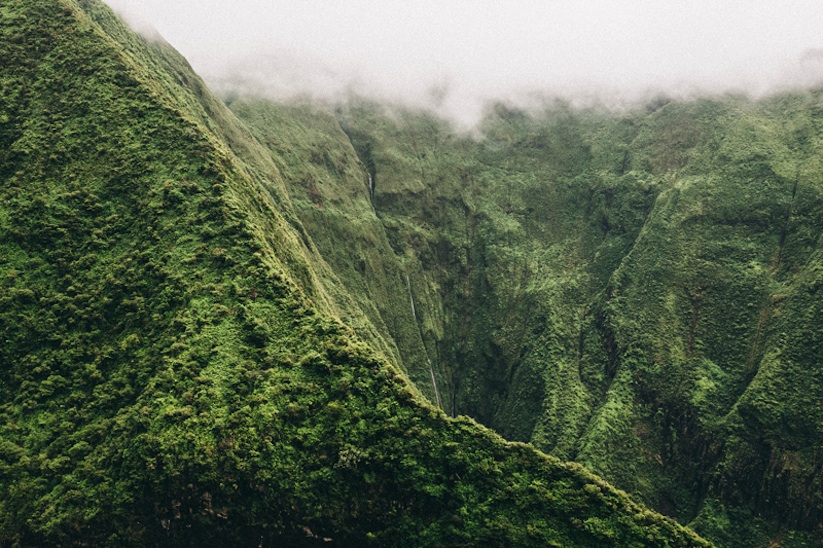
(632, 290)
(181, 364)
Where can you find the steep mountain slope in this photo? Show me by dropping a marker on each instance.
(331, 195)
(635, 291)
(174, 369)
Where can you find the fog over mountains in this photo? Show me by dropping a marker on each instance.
(230, 319)
(457, 56)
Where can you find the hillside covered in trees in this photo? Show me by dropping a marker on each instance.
(270, 323)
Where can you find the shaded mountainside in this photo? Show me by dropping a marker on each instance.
(183, 362)
(635, 291)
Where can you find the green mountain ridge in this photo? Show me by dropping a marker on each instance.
(617, 289)
(610, 287)
(248, 324)
(175, 369)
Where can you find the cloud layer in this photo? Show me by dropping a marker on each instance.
(462, 52)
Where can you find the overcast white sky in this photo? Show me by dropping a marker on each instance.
(493, 47)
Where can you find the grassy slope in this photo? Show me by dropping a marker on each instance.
(633, 291)
(173, 370)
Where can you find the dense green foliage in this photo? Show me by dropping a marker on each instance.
(174, 368)
(635, 291)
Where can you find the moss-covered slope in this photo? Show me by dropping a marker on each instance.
(174, 369)
(635, 291)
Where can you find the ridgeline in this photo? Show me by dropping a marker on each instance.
(250, 323)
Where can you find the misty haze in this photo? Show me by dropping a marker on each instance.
(457, 55)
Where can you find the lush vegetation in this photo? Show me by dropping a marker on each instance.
(180, 362)
(634, 291)
(250, 323)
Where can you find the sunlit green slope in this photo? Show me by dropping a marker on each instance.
(635, 291)
(173, 367)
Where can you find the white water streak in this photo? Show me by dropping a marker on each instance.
(431, 366)
(411, 298)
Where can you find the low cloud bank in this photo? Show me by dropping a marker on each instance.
(456, 56)
(288, 75)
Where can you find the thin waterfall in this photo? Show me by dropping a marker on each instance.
(411, 298)
(434, 382)
(426, 350)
